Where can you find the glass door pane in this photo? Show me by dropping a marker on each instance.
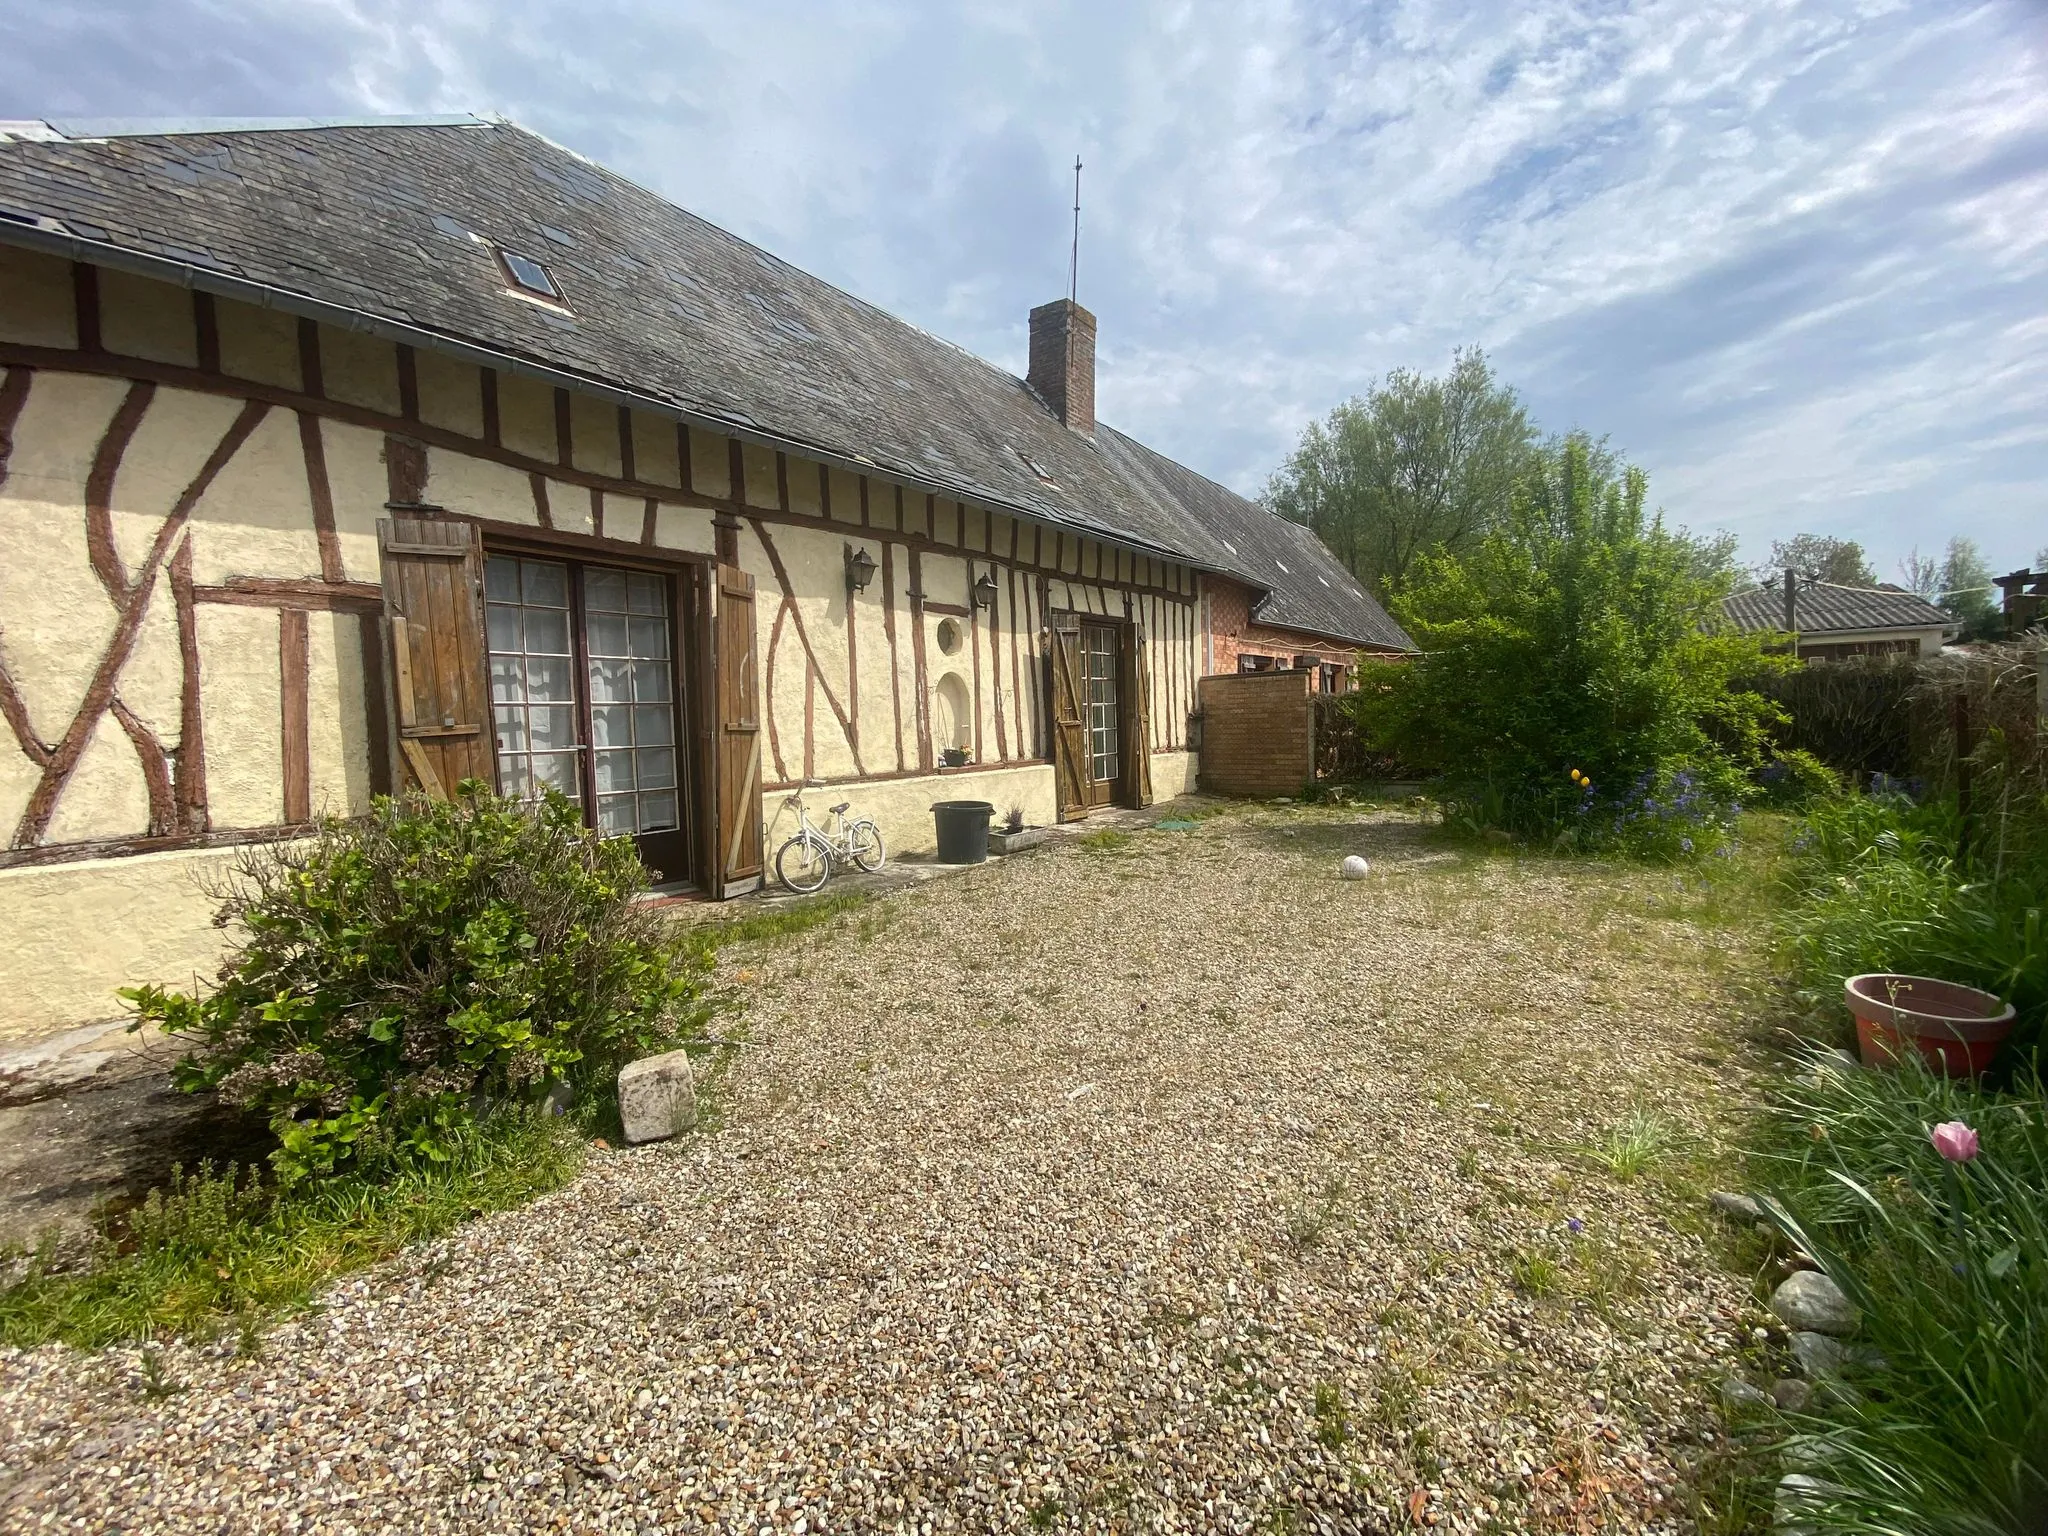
(533, 700)
(632, 701)
(1098, 649)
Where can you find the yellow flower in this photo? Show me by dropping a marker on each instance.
(1575, 775)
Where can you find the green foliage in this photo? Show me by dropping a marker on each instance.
(1949, 1265)
(1417, 465)
(1876, 883)
(1628, 1148)
(1794, 778)
(403, 968)
(1839, 562)
(1967, 592)
(1576, 683)
(215, 1250)
(781, 921)
(1855, 715)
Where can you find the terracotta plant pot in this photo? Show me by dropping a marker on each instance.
(1957, 1029)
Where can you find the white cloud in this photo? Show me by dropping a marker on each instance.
(1788, 253)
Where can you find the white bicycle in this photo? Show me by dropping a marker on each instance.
(809, 856)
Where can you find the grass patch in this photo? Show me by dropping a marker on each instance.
(782, 922)
(1333, 1426)
(1108, 840)
(1639, 1141)
(215, 1250)
(1536, 1274)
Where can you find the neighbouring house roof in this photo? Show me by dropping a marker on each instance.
(387, 223)
(1827, 609)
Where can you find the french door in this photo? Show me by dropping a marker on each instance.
(586, 697)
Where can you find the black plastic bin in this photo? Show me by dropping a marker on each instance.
(963, 830)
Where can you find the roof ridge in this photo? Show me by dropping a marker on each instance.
(76, 128)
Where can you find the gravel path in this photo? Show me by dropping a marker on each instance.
(1167, 1185)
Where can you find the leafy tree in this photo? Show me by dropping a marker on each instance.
(1839, 562)
(1580, 636)
(1415, 465)
(1967, 592)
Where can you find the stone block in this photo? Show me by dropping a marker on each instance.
(1809, 1302)
(657, 1097)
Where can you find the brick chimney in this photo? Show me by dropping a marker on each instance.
(1063, 362)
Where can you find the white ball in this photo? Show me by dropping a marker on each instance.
(1356, 868)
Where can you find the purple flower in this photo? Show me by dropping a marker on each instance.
(1577, 1226)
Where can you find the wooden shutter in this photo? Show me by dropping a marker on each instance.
(1137, 711)
(736, 836)
(1073, 772)
(434, 623)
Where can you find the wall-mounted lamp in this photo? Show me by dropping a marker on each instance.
(860, 569)
(985, 590)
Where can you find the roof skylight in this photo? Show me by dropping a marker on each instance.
(529, 276)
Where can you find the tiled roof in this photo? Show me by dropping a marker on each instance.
(1827, 609)
(379, 219)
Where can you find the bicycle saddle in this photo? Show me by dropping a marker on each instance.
(840, 808)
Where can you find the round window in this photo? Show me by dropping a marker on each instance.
(949, 636)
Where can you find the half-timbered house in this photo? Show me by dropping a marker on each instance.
(338, 457)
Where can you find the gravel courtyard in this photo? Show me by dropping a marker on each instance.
(1158, 1183)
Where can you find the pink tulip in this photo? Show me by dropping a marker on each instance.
(1955, 1141)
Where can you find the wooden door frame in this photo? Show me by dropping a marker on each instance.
(1123, 790)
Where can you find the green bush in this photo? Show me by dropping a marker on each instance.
(405, 969)
(1576, 682)
(1946, 1430)
(1794, 778)
(1877, 883)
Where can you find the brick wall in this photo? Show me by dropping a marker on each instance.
(1235, 633)
(1256, 734)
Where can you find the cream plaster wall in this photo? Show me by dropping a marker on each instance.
(902, 808)
(256, 519)
(54, 617)
(358, 485)
(261, 345)
(359, 368)
(241, 707)
(451, 394)
(35, 300)
(76, 932)
(337, 738)
(1173, 774)
(136, 323)
(474, 487)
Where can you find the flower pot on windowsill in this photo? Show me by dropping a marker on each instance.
(1956, 1029)
(953, 757)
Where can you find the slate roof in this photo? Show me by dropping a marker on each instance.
(381, 219)
(1824, 608)
(1307, 587)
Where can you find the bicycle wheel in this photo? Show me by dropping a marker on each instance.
(802, 863)
(864, 842)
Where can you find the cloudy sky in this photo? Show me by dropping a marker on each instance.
(1791, 256)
